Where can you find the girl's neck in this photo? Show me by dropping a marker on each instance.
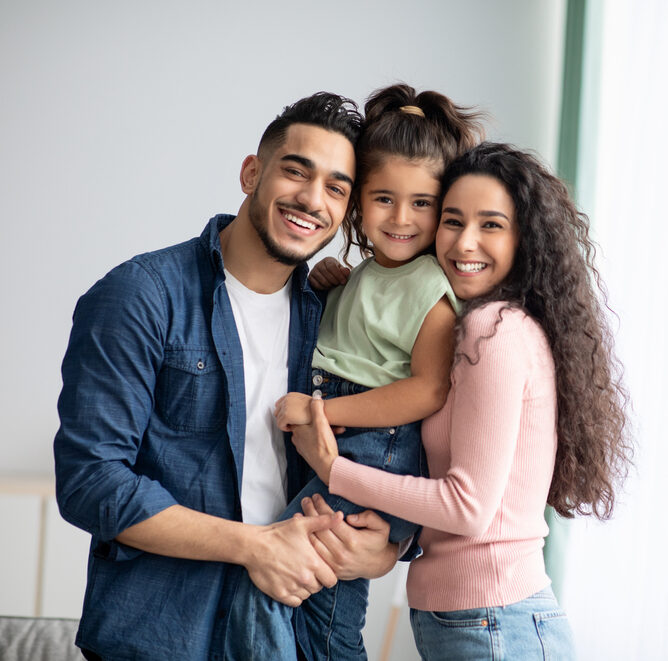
(387, 263)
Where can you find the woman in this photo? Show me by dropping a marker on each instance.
(535, 414)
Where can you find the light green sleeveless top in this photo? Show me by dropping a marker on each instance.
(370, 325)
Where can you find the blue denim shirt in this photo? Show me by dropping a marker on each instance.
(153, 414)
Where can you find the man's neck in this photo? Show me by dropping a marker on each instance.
(246, 258)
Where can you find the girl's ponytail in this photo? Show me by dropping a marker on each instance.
(399, 122)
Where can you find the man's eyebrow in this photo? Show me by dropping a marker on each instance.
(308, 163)
(341, 176)
(486, 214)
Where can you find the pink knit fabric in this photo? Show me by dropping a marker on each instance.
(491, 452)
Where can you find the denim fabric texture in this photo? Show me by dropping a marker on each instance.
(334, 617)
(153, 414)
(534, 629)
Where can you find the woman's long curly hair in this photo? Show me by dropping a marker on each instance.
(554, 279)
(436, 135)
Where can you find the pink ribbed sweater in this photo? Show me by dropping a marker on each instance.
(491, 452)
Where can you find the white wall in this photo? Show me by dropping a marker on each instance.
(123, 126)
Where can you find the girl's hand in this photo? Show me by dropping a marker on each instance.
(327, 274)
(292, 409)
(316, 442)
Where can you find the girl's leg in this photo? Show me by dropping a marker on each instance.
(259, 628)
(334, 617)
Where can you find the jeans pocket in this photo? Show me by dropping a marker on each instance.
(472, 617)
(555, 635)
(456, 635)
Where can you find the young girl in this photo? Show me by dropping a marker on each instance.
(384, 349)
(535, 414)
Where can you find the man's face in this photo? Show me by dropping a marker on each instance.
(299, 193)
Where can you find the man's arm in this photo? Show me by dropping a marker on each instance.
(109, 384)
(280, 558)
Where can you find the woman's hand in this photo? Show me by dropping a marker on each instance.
(327, 274)
(355, 548)
(315, 441)
(292, 409)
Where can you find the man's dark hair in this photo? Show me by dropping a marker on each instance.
(328, 111)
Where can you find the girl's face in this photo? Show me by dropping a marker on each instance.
(399, 203)
(478, 235)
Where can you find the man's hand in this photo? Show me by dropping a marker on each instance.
(293, 409)
(283, 563)
(355, 548)
(328, 273)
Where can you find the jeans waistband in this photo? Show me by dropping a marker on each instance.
(332, 385)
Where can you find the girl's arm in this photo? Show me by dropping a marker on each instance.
(484, 427)
(405, 400)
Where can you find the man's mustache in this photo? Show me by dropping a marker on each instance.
(302, 209)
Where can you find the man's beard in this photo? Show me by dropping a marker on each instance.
(258, 215)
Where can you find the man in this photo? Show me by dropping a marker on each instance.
(167, 452)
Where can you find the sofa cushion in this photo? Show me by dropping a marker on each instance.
(38, 639)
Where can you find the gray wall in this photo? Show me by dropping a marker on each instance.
(123, 126)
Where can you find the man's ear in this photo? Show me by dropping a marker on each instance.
(250, 174)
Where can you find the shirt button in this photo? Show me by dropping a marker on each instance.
(317, 379)
(317, 393)
(200, 364)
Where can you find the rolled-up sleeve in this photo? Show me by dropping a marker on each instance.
(109, 374)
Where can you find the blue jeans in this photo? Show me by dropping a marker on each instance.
(534, 629)
(260, 628)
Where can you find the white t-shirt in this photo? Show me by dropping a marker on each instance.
(263, 324)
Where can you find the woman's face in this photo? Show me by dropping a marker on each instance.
(477, 235)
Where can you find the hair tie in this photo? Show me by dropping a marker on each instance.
(412, 110)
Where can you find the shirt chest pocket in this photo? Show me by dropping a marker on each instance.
(191, 391)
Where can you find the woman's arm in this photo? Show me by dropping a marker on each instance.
(484, 427)
(405, 400)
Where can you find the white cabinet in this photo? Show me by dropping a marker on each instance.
(42, 558)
